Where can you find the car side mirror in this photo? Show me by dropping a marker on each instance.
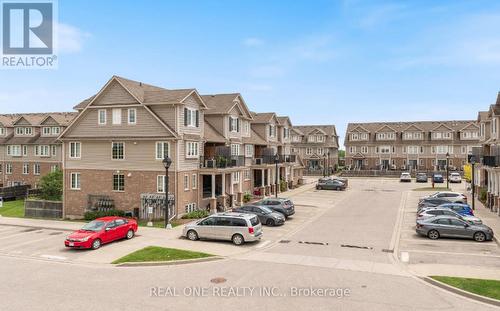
(466, 226)
(107, 229)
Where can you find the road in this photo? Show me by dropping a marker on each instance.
(340, 241)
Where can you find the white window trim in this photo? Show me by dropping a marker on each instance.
(115, 120)
(186, 182)
(117, 142)
(113, 182)
(194, 181)
(79, 156)
(99, 117)
(160, 181)
(196, 149)
(135, 116)
(79, 183)
(156, 149)
(35, 169)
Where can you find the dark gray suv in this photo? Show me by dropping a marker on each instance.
(279, 205)
(266, 215)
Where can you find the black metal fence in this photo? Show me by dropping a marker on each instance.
(222, 161)
(15, 192)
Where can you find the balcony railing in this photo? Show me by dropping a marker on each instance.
(270, 159)
(492, 161)
(222, 161)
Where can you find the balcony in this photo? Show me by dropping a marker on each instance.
(269, 159)
(492, 161)
(222, 161)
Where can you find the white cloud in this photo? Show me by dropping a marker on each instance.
(251, 42)
(70, 39)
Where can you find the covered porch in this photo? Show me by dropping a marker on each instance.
(221, 190)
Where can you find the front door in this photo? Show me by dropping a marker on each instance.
(413, 164)
(358, 163)
(441, 165)
(385, 164)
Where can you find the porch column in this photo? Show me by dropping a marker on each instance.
(240, 190)
(223, 196)
(269, 176)
(213, 200)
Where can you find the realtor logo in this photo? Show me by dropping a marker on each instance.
(28, 34)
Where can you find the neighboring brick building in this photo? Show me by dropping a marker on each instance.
(410, 145)
(29, 148)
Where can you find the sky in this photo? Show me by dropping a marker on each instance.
(319, 62)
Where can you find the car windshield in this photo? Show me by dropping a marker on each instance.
(266, 210)
(95, 225)
(455, 174)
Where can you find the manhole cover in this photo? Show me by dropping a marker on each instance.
(218, 280)
(313, 243)
(356, 246)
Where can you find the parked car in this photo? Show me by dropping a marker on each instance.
(455, 178)
(341, 179)
(431, 202)
(453, 197)
(266, 215)
(438, 178)
(447, 226)
(236, 227)
(405, 177)
(421, 177)
(438, 211)
(279, 205)
(101, 231)
(331, 184)
(462, 209)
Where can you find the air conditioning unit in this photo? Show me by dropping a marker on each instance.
(211, 163)
(259, 161)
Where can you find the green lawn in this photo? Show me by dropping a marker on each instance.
(157, 223)
(12, 209)
(432, 189)
(487, 288)
(155, 253)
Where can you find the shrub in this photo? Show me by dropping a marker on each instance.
(98, 214)
(282, 185)
(247, 197)
(196, 214)
(51, 186)
(482, 195)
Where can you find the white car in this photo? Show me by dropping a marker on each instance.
(430, 212)
(455, 178)
(452, 197)
(405, 177)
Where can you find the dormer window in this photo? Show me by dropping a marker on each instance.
(320, 138)
(246, 128)
(191, 117)
(386, 136)
(296, 138)
(272, 130)
(441, 135)
(21, 131)
(286, 133)
(51, 131)
(2, 131)
(412, 135)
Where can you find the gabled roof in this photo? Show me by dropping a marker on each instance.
(296, 130)
(254, 139)
(284, 119)
(385, 126)
(471, 124)
(36, 119)
(327, 129)
(414, 126)
(442, 125)
(212, 135)
(316, 130)
(358, 128)
(264, 117)
(223, 103)
(426, 126)
(146, 93)
(482, 116)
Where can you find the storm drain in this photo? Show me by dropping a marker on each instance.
(285, 241)
(388, 250)
(355, 246)
(30, 229)
(55, 233)
(218, 280)
(313, 243)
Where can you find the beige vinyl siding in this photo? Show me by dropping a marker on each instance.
(114, 94)
(30, 157)
(22, 122)
(147, 125)
(235, 112)
(166, 113)
(139, 155)
(190, 102)
(50, 122)
(188, 164)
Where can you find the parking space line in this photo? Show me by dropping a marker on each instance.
(17, 245)
(53, 257)
(18, 234)
(451, 253)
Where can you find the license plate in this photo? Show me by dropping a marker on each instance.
(71, 244)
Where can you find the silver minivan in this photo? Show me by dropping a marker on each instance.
(236, 227)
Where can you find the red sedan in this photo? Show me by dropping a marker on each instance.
(101, 231)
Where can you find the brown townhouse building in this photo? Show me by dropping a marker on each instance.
(29, 148)
(113, 150)
(317, 146)
(487, 157)
(410, 145)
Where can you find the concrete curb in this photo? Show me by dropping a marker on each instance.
(168, 263)
(461, 292)
(38, 227)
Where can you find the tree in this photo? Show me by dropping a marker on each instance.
(51, 186)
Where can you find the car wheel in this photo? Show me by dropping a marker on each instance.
(338, 188)
(319, 188)
(479, 237)
(96, 244)
(270, 222)
(192, 235)
(237, 239)
(130, 234)
(433, 235)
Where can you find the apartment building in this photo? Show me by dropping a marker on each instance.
(317, 146)
(410, 145)
(219, 149)
(487, 157)
(29, 148)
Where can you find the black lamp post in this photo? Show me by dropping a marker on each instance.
(472, 163)
(276, 161)
(324, 165)
(329, 171)
(447, 170)
(166, 163)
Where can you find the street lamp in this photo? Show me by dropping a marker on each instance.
(328, 153)
(447, 171)
(276, 161)
(473, 162)
(166, 163)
